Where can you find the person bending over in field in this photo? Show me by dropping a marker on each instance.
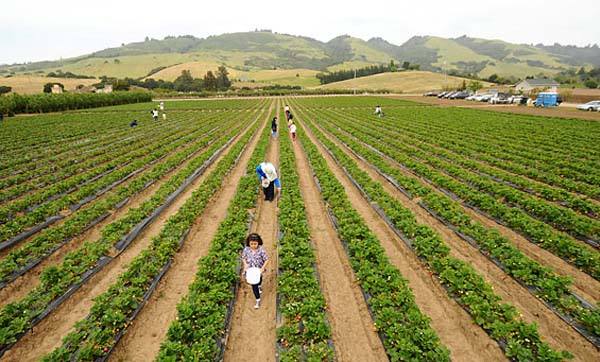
(274, 127)
(267, 175)
(378, 111)
(254, 259)
(154, 114)
(133, 123)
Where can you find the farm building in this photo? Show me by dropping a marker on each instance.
(528, 85)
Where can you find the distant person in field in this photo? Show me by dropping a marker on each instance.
(254, 259)
(286, 109)
(378, 111)
(293, 131)
(164, 116)
(162, 106)
(133, 123)
(289, 116)
(274, 127)
(290, 122)
(154, 114)
(267, 175)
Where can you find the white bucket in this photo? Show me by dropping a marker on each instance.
(253, 275)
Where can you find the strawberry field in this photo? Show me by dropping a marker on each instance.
(429, 234)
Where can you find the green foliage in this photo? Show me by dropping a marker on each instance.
(5, 89)
(474, 85)
(590, 83)
(340, 75)
(42, 103)
(210, 81)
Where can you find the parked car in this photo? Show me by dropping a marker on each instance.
(431, 94)
(500, 98)
(459, 95)
(590, 106)
(450, 94)
(442, 94)
(519, 99)
(484, 97)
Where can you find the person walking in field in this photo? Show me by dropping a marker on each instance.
(164, 116)
(274, 127)
(254, 260)
(154, 114)
(286, 108)
(267, 175)
(378, 111)
(161, 106)
(293, 131)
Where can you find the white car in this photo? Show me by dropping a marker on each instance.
(590, 106)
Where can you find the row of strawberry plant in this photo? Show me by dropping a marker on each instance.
(554, 215)
(538, 279)
(111, 161)
(527, 162)
(538, 232)
(304, 333)
(557, 144)
(95, 336)
(150, 154)
(198, 332)
(53, 170)
(450, 151)
(58, 282)
(520, 341)
(46, 243)
(60, 145)
(407, 334)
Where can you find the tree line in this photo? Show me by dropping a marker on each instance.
(211, 82)
(340, 75)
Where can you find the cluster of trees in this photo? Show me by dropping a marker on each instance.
(48, 87)
(60, 74)
(590, 79)
(340, 75)
(211, 82)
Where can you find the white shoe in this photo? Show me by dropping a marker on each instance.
(257, 304)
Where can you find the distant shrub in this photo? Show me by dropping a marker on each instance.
(590, 83)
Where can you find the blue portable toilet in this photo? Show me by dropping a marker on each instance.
(546, 99)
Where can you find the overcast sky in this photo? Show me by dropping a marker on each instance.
(51, 29)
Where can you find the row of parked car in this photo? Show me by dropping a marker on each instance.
(490, 97)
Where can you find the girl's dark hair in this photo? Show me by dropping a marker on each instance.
(253, 237)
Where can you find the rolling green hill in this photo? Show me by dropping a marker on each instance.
(249, 55)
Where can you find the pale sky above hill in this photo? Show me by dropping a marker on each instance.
(48, 30)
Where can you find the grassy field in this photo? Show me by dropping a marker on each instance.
(405, 82)
(25, 84)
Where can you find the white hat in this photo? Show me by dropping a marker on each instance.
(265, 183)
(269, 170)
(253, 275)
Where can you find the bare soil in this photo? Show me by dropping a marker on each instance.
(47, 335)
(466, 341)
(354, 336)
(553, 329)
(253, 331)
(144, 336)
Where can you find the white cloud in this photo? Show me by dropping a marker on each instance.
(36, 30)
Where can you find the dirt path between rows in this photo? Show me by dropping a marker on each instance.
(466, 341)
(28, 281)
(149, 329)
(353, 334)
(253, 331)
(48, 334)
(553, 329)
